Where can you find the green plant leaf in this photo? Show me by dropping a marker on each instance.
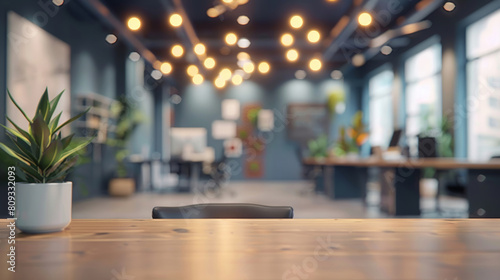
(43, 106)
(71, 120)
(67, 140)
(50, 155)
(41, 133)
(13, 154)
(16, 133)
(24, 149)
(60, 173)
(53, 104)
(22, 131)
(18, 107)
(31, 172)
(54, 123)
(72, 150)
(21, 175)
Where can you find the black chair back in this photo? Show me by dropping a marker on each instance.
(224, 211)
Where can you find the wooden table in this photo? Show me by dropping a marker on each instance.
(401, 249)
(346, 178)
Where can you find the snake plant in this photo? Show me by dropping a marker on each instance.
(41, 153)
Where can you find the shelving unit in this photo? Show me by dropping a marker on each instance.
(98, 121)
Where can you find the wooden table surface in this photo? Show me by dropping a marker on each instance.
(439, 163)
(399, 249)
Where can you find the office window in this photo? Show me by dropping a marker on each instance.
(381, 123)
(483, 87)
(423, 94)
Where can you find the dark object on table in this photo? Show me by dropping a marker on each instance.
(396, 136)
(224, 211)
(427, 147)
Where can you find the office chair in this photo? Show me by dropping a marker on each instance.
(309, 173)
(224, 211)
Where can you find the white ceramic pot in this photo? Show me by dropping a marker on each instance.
(42, 208)
(429, 187)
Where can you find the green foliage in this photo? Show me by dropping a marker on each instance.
(318, 148)
(128, 119)
(41, 153)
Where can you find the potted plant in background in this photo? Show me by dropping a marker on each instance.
(127, 120)
(351, 139)
(435, 142)
(43, 158)
(318, 148)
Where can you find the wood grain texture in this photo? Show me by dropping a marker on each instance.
(260, 249)
(438, 163)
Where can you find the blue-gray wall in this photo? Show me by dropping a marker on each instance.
(201, 105)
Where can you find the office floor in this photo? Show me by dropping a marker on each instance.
(307, 203)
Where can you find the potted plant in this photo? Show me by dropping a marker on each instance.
(127, 120)
(43, 159)
(318, 148)
(351, 139)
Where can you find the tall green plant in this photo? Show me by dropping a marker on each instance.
(128, 119)
(41, 153)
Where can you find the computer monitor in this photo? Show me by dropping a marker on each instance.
(182, 136)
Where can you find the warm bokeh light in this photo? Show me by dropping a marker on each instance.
(209, 63)
(264, 67)
(134, 56)
(287, 39)
(177, 50)
(249, 67)
(166, 68)
(365, 19)
(198, 79)
(315, 64)
(296, 21)
(386, 50)
(111, 39)
(175, 20)
(192, 70)
(227, 1)
(199, 49)
(219, 83)
(237, 80)
(358, 60)
(449, 6)
(243, 56)
(243, 20)
(244, 43)
(58, 2)
(212, 12)
(134, 23)
(292, 55)
(231, 39)
(313, 36)
(225, 74)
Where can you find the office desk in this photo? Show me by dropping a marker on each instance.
(260, 249)
(346, 178)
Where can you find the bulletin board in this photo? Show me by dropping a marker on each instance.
(306, 121)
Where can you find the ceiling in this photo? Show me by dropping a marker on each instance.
(269, 19)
